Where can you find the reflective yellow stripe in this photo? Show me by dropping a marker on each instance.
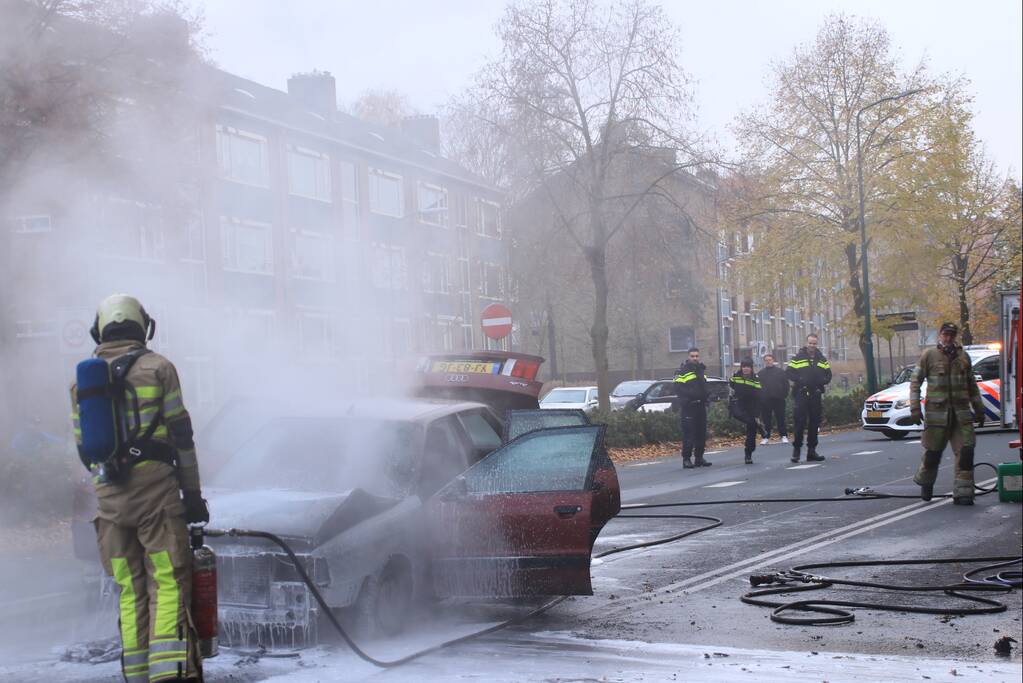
(686, 377)
(160, 432)
(799, 363)
(149, 392)
(825, 365)
(129, 627)
(166, 621)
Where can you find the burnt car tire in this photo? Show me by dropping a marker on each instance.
(385, 601)
(894, 434)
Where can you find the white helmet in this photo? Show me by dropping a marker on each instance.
(119, 309)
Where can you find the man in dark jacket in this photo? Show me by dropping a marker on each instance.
(772, 398)
(809, 373)
(744, 403)
(691, 388)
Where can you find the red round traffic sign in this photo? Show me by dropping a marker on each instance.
(496, 321)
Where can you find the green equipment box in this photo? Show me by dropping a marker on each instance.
(1010, 482)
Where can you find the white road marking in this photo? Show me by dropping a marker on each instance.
(866, 452)
(912, 442)
(644, 464)
(712, 452)
(722, 484)
(804, 467)
(819, 541)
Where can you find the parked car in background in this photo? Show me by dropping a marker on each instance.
(628, 390)
(660, 396)
(579, 398)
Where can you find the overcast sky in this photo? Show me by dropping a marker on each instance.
(430, 49)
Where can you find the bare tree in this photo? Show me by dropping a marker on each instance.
(578, 85)
(801, 152)
(382, 106)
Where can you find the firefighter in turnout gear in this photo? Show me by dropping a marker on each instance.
(691, 389)
(142, 513)
(953, 403)
(809, 372)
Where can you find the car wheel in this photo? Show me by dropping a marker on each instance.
(386, 600)
(894, 434)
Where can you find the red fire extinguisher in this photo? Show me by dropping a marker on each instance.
(204, 593)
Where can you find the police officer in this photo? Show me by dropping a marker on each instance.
(809, 372)
(744, 402)
(142, 514)
(691, 389)
(953, 403)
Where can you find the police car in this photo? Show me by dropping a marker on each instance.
(887, 411)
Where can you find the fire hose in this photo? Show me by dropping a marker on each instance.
(792, 581)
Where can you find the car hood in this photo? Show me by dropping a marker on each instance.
(316, 516)
(563, 406)
(896, 392)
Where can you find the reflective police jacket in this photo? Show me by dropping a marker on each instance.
(808, 371)
(156, 384)
(691, 383)
(745, 392)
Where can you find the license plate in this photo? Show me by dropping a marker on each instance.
(875, 413)
(464, 367)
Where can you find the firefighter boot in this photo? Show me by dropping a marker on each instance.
(700, 462)
(795, 454)
(813, 456)
(927, 474)
(687, 463)
(962, 488)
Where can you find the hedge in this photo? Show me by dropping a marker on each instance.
(630, 428)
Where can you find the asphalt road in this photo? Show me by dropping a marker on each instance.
(670, 612)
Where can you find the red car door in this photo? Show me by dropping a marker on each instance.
(519, 522)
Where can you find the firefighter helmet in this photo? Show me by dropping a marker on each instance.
(127, 316)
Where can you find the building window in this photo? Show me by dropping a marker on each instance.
(246, 246)
(489, 223)
(681, 338)
(461, 211)
(195, 247)
(133, 230)
(390, 270)
(308, 173)
(315, 334)
(491, 281)
(466, 337)
(27, 225)
(432, 204)
(242, 157)
(312, 256)
(437, 274)
(350, 199)
(676, 284)
(385, 193)
(197, 381)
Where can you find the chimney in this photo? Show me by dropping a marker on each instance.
(424, 130)
(316, 91)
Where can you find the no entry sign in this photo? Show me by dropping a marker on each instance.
(496, 321)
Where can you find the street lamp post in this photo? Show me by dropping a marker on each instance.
(869, 360)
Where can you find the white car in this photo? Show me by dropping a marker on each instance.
(580, 398)
(887, 411)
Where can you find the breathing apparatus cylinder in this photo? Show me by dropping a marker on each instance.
(204, 594)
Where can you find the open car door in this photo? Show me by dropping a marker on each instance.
(519, 522)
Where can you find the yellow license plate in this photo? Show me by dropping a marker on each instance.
(875, 413)
(464, 367)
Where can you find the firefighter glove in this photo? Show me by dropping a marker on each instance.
(196, 511)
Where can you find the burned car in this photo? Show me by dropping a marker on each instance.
(390, 503)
